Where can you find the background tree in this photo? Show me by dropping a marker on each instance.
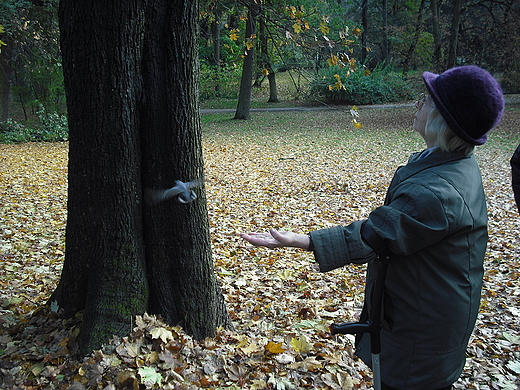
(243, 110)
(488, 31)
(385, 43)
(264, 62)
(130, 75)
(415, 38)
(30, 62)
(454, 32)
(437, 37)
(364, 34)
(6, 56)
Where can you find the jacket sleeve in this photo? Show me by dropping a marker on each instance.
(515, 173)
(419, 216)
(338, 246)
(414, 219)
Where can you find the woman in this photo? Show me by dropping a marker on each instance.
(433, 229)
(515, 174)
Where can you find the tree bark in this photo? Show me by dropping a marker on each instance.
(6, 54)
(273, 90)
(437, 39)
(104, 271)
(215, 32)
(385, 43)
(130, 70)
(243, 110)
(265, 61)
(364, 33)
(454, 32)
(183, 286)
(415, 39)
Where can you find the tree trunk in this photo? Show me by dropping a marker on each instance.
(437, 39)
(364, 33)
(385, 43)
(6, 54)
(104, 271)
(130, 78)
(265, 61)
(273, 91)
(454, 33)
(243, 110)
(415, 39)
(183, 286)
(215, 32)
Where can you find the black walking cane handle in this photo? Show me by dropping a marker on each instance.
(350, 327)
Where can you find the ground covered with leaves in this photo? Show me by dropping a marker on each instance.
(299, 171)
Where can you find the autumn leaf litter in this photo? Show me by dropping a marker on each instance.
(303, 171)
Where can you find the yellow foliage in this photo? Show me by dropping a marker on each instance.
(297, 28)
(324, 28)
(2, 30)
(274, 347)
(301, 345)
(250, 42)
(357, 125)
(333, 60)
(233, 34)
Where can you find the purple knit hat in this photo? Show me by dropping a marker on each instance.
(469, 99)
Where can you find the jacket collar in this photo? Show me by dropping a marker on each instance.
(417, 164)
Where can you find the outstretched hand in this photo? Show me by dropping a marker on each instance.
(277, 239)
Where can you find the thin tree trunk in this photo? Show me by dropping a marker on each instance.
(6, 54)
(215, 32)
(265, 62)
(243, 110)
(437, 39)
(273, 91)
(415, 39)
(364, 34)
(385, 45)
(454, 32)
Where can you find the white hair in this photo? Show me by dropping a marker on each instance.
(438, 133)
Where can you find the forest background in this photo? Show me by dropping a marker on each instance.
(317, 44)
(355, 62)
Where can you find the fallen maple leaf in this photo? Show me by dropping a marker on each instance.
(250, 349)
(308, 364)
(301, 345)
(150, 376)
(161, 333)
(275, 348)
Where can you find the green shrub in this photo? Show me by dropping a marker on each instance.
(13, 132)
(337, 86)
(511, 81)
(216, 82)
(51, 127)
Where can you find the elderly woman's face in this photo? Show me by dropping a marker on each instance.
(424, 106)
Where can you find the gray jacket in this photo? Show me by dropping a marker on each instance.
(434, 222)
